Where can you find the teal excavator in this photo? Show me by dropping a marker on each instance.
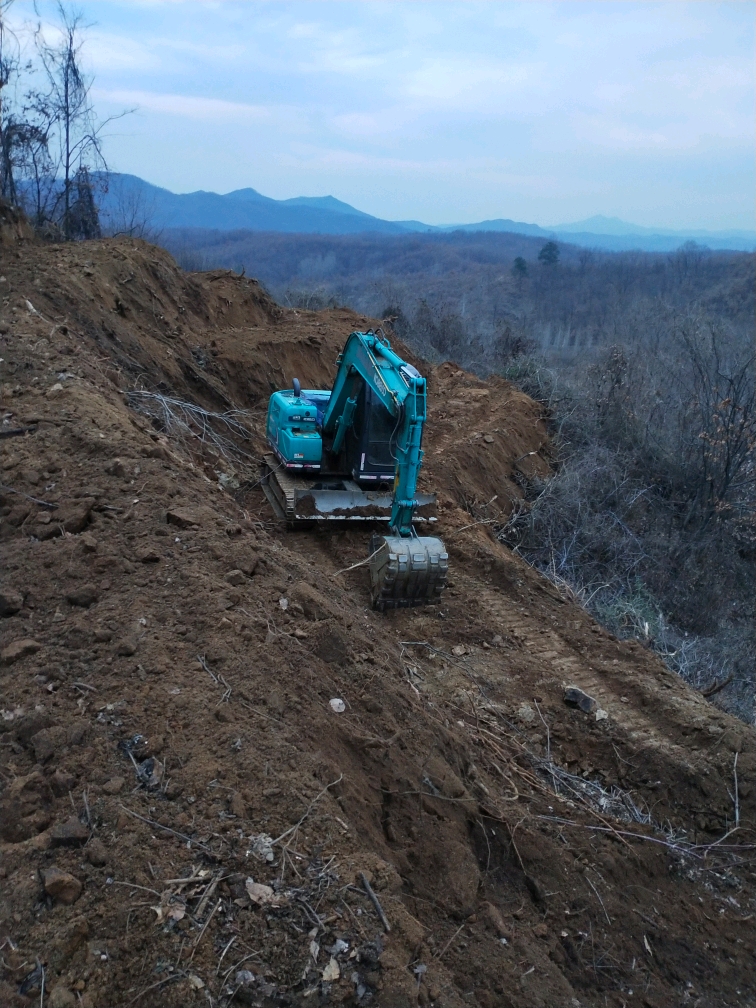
(354, 454)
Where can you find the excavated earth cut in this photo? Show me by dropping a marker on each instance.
(227, 780)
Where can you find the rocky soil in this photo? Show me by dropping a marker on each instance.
(187, 817)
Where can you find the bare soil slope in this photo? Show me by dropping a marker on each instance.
(184, 817)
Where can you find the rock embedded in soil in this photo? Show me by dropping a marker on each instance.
(18, 649)
(62, 997)
(84, 596)
(10, 601)
(113, 786)
(126, 647)
(181, 517)
(70, 833)
(97, 853)
(62, 885)
(575, 697)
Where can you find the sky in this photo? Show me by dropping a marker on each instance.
(445, 112)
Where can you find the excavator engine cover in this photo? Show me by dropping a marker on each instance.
(407, 572)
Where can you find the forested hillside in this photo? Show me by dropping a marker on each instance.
(643, 363)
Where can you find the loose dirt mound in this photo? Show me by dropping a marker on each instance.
(186, 816)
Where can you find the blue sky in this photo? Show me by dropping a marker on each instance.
(444, 112)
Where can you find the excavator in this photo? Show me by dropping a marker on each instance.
(353, 455)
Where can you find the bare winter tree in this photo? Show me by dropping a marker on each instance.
(69, 106)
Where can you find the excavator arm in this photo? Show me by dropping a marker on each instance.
(400, 387)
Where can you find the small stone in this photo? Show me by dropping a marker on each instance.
(575, 697)
(58, 616)
(236, 805)
(71, 833)
(181, 517)
(103, 635)
(62, 782)
(84, 596)
(493, 920)
(236, 578)
(62, 885)
(116, 468)
(10, 601)
(88, 543)
(113, 786)
(18, 649)
(488, 439)
(126, 647)
(76, 518)
(62, 997)
(459, 650)
(147, 554)
(96, 853)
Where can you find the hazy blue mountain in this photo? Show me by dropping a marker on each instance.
(128, 196)
(501, 224)
(326, 203)
(600, 225)
(130, 199)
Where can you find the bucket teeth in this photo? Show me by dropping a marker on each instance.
(407, 572)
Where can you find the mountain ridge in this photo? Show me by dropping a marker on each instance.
(129, 195)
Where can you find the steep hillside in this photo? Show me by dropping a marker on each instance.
(185, 819)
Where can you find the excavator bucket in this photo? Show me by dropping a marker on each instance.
(407, 572)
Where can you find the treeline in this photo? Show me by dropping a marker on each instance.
(644, 363)
(51, 157)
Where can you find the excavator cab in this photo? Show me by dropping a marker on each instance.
(370, 452)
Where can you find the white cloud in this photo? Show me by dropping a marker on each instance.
(186, 106)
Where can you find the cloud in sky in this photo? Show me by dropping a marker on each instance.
(441, 111)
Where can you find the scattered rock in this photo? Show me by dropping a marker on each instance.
(488, 439)
(62, 885)
(494, 921)
(103, 635)
(116, 468)
(84, 596)
(262, 894)
(181, 517)
(88, 543)
(236, 578)
(575, 697)
(71, 833)
(76, 516)
(62, 782)
(10, 601)
(113, 786)
(18, 649)
(147, 554)
(459, 650)
(62, 997)
(126, 647)
(337, 705)
(97, 853)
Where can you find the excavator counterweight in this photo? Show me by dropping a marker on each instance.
(354, 454)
